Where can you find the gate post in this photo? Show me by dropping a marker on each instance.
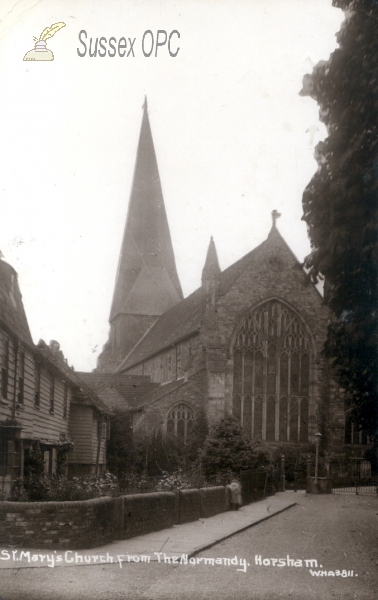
(309, 467)
(283, 472)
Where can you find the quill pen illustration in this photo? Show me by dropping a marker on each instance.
(48, 32)
(40, 51)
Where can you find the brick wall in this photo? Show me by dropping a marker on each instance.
(215, 500)
(74, 525)
(91, 523)
(144, 513)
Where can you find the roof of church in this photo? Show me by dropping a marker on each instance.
(147, 282)
(174, 325)
(182, 320)
(12, 312)
(162, 390)
(185, 318)
(131, 387)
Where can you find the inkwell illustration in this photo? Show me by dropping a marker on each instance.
(40, 51)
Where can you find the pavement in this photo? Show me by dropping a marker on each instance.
(180, 542)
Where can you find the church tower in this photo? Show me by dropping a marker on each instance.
(147, 284)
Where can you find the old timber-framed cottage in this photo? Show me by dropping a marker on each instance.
(42, 401)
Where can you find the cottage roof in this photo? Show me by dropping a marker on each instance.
(12, 313)
(54, 358)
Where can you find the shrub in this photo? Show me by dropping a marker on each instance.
(169, 482)
(60, 489)
(226, 451)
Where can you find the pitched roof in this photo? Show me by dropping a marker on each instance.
(163, 389)
(185, 318)
(55, 359)
(147, 282)
(177, 323)
(230, 275)
(133, 388)
(12, 312)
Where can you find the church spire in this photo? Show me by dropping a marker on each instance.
(147, 282)
(211, 268)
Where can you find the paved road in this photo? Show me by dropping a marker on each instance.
(339, 532)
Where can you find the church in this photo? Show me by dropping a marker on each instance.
(248, 341)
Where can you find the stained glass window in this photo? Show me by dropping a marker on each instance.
(271, 382)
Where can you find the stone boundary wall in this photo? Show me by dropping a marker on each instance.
(144, 513)
(60, 525)
(215, 500)
(90, 523)
(189, 505)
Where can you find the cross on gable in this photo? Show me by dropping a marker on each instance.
(275, 215)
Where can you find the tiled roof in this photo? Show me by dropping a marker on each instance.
(230, 275)
(82, 391)
(12, 312)
(162, 390)
(174, 325)
(185, 318)
(133, 388)
(181, 320)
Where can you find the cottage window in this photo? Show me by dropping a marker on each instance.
(9, 455)
(52, 392)
(180, 421)
(65, 401)
(4, 359)
(272, 356)
(21, 374)
(37, 384)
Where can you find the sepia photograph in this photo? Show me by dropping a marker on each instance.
(188, 299)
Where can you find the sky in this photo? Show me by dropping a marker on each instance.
(233, 139)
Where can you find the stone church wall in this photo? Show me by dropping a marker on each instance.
(192, 392)
(262, 280)
(169, 364)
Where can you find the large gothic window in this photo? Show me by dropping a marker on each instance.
(272, 374)
(180, 421)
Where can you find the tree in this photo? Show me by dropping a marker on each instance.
(340, 205)
(121, 456)
(226, 450)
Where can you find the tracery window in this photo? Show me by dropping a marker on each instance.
(272, 356)
(180, 421)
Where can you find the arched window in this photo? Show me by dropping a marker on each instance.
(272, 357)
(180, 421)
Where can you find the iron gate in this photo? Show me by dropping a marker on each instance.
(255, 486)
(354, 476)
